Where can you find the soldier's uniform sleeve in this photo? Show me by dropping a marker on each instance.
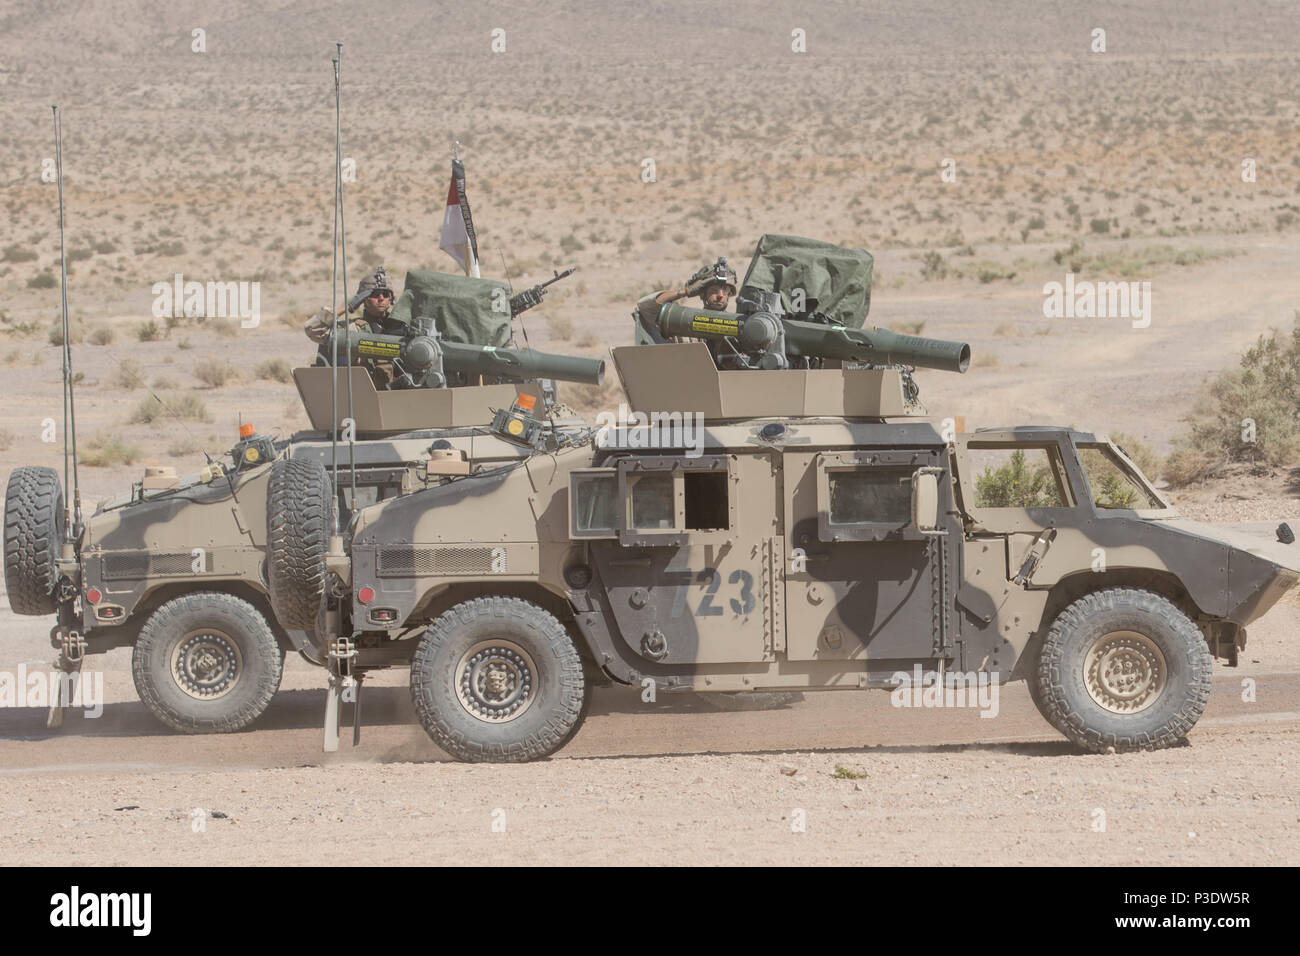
(646, 320)
(318, 326)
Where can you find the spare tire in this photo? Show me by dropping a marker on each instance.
(300, 509)
(33, 534)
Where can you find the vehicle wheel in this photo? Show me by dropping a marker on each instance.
(1125, 669)
(498, 679)
(206, 662)
(299, 512)
(33, 534)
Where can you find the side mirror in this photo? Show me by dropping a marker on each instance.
(925, 501)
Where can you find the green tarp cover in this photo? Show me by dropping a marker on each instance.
(838, 278)
(468, 310)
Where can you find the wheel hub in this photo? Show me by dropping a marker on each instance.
(1124, 672)
(496, 681)
(206, 664)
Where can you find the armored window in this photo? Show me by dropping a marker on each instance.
(593, 503)
(867, 496)
(706, 500)
(664, 498)
(878, 494)
(1018, 476)
(651, 500)
(1112, 483)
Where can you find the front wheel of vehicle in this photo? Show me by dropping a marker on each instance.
(498, 679)
(1123, 669)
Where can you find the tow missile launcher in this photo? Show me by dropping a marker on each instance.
(765, 338)
(422, 358)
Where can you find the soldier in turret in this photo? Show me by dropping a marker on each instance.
(377, 296)
(715, 284)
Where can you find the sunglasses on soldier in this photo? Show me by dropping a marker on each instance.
(380, 294)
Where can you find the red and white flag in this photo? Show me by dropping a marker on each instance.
(458, 239)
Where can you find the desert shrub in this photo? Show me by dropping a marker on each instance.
(150, 331)
(102, 335)
(6, 439)
(19, 253)
(274, 370)
(214, 373)
(163, 382)
(44, 280)
(185, 407)
(1016, 485)
(933, 266)
(103, 451)
(128, 375)
(1246, 415)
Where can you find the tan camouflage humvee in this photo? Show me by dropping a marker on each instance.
(814, 533)
(176, 568)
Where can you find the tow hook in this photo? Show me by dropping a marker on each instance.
(1037, 551)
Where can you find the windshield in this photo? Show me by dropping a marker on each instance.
(1113, 482)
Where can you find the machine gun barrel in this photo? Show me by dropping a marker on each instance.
(521, 363)
(764, 333)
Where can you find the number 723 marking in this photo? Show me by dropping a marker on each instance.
(743, 603)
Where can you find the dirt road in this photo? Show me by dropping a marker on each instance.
(673, 781)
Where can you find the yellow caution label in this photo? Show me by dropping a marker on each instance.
(515, 426)
(379, 349)
(714, 326)
(251, 455)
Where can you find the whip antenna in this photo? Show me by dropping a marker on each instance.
(343, 258)
(72, 517)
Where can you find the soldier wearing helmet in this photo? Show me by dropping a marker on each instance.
(375, 296)
(715, 284)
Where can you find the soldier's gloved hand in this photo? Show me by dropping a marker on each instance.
(696, 283)
(318, 327)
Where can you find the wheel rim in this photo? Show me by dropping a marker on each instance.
(496, 681)
(1125, 672)
(206, 664)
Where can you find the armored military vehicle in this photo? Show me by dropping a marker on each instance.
(176, 568)
(815, 532)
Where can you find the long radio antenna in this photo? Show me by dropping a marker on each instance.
(72, 516)
(343, 257)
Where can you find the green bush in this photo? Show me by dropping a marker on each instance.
(1015, 485)
(1266, 390)
(45, 280)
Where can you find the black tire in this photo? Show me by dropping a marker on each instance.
(299, 512)
(33, 535)
(544, 683)
(1123, 669)
(174, 651)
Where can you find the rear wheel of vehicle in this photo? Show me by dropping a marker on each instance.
(33, 534)
(207, 662)
(1124, 669)
(299, 512)
(498, 679)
